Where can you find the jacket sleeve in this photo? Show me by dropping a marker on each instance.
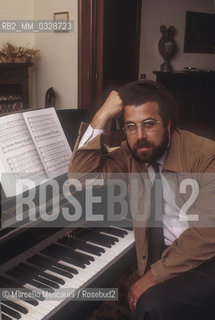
(181, 257)
(93, 157)
(195, 245)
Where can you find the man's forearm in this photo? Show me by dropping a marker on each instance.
(111, 109)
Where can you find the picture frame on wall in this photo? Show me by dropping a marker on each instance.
(199, 33)
(62, 20)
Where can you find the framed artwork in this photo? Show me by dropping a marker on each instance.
(199, 32)
(62, 20)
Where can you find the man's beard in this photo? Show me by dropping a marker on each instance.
(154, 153)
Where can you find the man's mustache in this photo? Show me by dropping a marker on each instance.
(143, 143)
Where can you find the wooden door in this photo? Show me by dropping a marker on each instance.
(109, 38)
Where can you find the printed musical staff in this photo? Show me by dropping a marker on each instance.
(32, 146)
(43, 127)
(14, 135)
(55, 156)
(28, 162)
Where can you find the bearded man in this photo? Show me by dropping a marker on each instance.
(179, 281)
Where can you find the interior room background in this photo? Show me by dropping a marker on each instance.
(58, 63)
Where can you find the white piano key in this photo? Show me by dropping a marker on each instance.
(33, 312)
(81, 280)
(39, 311)
(73, 282)
(44, 307)
(96, 265)
(106, 257)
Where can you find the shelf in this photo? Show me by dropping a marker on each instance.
(14, 88)
(11, 107)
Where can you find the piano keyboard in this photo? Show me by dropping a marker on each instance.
(57, 263)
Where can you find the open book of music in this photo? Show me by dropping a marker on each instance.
(33, 148)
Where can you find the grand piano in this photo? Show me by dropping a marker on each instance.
(37, 257)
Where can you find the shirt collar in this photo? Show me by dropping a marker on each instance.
(159, 161)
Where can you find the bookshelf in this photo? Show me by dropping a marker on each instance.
(14, 87)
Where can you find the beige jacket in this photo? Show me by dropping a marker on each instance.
(188, 153)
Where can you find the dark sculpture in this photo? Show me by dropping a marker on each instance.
(167, 46)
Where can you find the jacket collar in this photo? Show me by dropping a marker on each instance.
(173, 161)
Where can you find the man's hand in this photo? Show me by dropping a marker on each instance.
(139, 288)
(112, 108)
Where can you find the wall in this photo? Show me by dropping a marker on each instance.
(170, 12)
(58, 66)
(16, 10)
(58, 63)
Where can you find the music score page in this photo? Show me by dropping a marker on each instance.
(32, 146)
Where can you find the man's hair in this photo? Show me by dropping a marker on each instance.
(142, 91)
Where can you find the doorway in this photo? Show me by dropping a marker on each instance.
(109, 42)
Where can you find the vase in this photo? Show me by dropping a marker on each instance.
(167, 47)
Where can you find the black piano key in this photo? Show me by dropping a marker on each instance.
(36, 277)
(47, 282)
(81, 245)
(110, 238)
(6, 283)
(128, 228)
(113, 231)
(58, 268)
(31, 301)
(61, 272)
(73, 262)
(15, 306)
(5, 317)
(45, 262)
(97, 238)
(10, 312)
(68, 252)
(86, 258)
(64, 259)
(52, 253)
(34, 270)
(26, 278)
(66, 268)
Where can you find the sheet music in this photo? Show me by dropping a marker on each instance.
(18, 156)
(17, 148)
(49, 139)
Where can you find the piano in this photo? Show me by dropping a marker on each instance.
(51, 259)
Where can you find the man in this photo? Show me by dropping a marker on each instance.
(181, 283)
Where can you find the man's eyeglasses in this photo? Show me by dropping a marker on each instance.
(148, 125)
